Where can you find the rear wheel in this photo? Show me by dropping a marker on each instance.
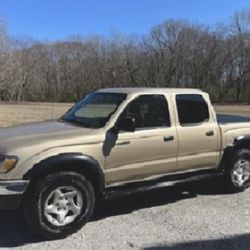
(238, 172)
(59, 205)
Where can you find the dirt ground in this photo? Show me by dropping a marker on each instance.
(13, 114)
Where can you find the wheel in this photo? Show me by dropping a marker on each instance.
(238, 172)
(59, 205)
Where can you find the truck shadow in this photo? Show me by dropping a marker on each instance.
(126, 202)
(239, 242)
(14, 231)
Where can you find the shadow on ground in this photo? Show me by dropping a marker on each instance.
(14, 231)
(240, 242)
(127, 202)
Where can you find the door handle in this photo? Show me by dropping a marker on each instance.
(168, 138)
(123, 143)
(210, 133)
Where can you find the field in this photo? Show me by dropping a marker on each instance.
(14, 114)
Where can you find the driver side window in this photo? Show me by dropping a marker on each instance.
(149, 111)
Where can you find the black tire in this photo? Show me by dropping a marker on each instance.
(39, 195)
(242, 155)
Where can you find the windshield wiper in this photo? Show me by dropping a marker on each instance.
(77, 122)
(83, 123)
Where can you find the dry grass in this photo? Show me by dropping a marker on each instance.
(13, 114)
(233, 109)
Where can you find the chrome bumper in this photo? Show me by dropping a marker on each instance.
(11, 193)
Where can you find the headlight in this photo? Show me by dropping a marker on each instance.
(7, 163)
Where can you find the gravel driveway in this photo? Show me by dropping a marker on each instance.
(188, 216)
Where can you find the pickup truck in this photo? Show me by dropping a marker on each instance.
(57, 170)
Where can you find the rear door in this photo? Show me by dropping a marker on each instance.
(198, 133)
(151, 149)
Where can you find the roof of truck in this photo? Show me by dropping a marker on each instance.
(150, 90)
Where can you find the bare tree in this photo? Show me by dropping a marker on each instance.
(175, 53)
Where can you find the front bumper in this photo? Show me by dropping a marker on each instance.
(11, 193)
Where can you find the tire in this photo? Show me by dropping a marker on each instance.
(59, 204)
(237, 174)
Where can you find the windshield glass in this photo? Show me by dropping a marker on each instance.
(95, 109)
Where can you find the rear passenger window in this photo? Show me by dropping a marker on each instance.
(192, 109)
(149, 111)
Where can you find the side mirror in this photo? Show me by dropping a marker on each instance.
(126, 124)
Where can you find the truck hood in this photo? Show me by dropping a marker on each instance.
(38, 133)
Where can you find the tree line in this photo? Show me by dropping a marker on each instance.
(175, 53)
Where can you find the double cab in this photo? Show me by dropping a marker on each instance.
(56, 170)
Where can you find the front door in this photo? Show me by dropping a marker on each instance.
(151, 149)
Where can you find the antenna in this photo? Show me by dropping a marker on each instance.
(53, 106)
(53, 110)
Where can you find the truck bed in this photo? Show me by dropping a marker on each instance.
(227, 118)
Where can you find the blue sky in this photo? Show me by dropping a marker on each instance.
(60, 19)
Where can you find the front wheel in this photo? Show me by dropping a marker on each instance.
(237, 174)
(59, 205)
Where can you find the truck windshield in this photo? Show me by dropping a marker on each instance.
(94, 110)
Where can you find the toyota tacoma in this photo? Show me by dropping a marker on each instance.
(57, 170)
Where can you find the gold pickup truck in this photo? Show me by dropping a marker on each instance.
(57, 170)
